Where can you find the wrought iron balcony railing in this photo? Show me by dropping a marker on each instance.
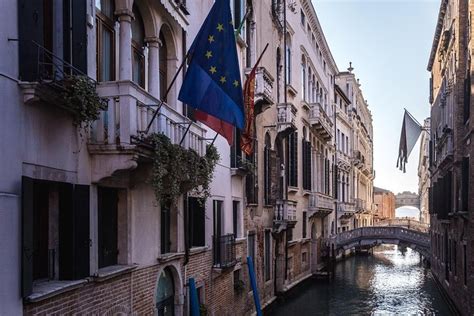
(224, 251)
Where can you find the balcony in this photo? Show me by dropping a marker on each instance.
(223, 251)
(320, 205)
(286, 119)
(345, 210)
(359, 159)
(285, 214)
(343, 161)
(263, 90)
(320, 121)
(360, 205)
(116, 138)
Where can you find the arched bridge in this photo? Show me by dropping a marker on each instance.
(406, 223)
(372, 236)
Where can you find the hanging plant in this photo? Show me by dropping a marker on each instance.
(81, 98)
(177, 170)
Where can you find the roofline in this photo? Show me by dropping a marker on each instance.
(343, 95)
(437, 34)
(319, 31)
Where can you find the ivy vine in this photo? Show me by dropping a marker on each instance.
(81, 98)
(177, 170)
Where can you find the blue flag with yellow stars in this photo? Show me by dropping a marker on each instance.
(212, 83)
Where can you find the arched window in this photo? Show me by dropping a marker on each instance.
(303, 77)
(165, 293)
(163, 67)
(105, 21)
(314, 88)
(138, 58)
(278, 68)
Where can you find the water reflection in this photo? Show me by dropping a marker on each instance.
(392, 281)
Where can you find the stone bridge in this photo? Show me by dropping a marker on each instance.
(407, 199)
(372, 236)
(406, 223)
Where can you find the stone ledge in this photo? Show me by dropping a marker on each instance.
(170, 257)
(46, 289)
(109, 272)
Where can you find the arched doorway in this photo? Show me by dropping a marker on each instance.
(165, 293)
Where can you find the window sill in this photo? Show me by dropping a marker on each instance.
(292, 243)
(167, 257)
(293, 189)
(305, 240)
(109, 272)
(46, 289)
(198, 250)
(240, 240)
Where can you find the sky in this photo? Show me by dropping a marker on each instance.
(389, 43)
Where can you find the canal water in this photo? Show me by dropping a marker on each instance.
(392, 281)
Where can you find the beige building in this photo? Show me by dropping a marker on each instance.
(385, 204)
(362, 149)
(424, 173)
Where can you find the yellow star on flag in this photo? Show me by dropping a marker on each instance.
(210, 38)
(223, 80)
(208, 54)
(220, 27)
(213, 70)
(236, 83)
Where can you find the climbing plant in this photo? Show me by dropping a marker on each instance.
(177, 170)
(81, 98)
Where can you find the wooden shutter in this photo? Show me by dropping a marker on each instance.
(335, 182)
(66, 231)
(30, 28)
(266, 175)
(293, 159)
(27, 207)
(79, 35)
(274, 177)
(81, 231)
(465, 184)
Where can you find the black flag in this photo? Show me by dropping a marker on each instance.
(411, 130)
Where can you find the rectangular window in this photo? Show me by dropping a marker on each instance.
(467, 97)
(307, 165)
(251, 246)
(217, 218)
(305, 220)
(289, 234)
(105, 42)
(454, 258)
(465, 184)
(267, 258)
(196, 214)
(236, 219)
(293, 159)
(55, 232)
(107, 226)
(304, 257)
(465, 263)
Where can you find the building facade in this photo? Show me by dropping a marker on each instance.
(451, 152)
(361, 140)
(385, 204)
(82, 226)
(424, 173)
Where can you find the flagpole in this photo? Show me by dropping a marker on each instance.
(167, 91)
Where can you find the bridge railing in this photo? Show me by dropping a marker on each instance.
(404, 222)
(400, 233)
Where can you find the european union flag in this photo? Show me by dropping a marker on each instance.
(212, 83)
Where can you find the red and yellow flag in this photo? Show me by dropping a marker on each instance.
(246, 140)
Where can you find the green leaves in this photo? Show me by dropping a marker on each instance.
(177, 170)
(82, 100)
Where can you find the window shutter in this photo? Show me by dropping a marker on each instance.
(465, 184)
(274, 177)
(79, 35)
(335, 182)
(27, 193)
(293, 159)
(66, 231)
(266, 175)
(81, 231)
(30, 28)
